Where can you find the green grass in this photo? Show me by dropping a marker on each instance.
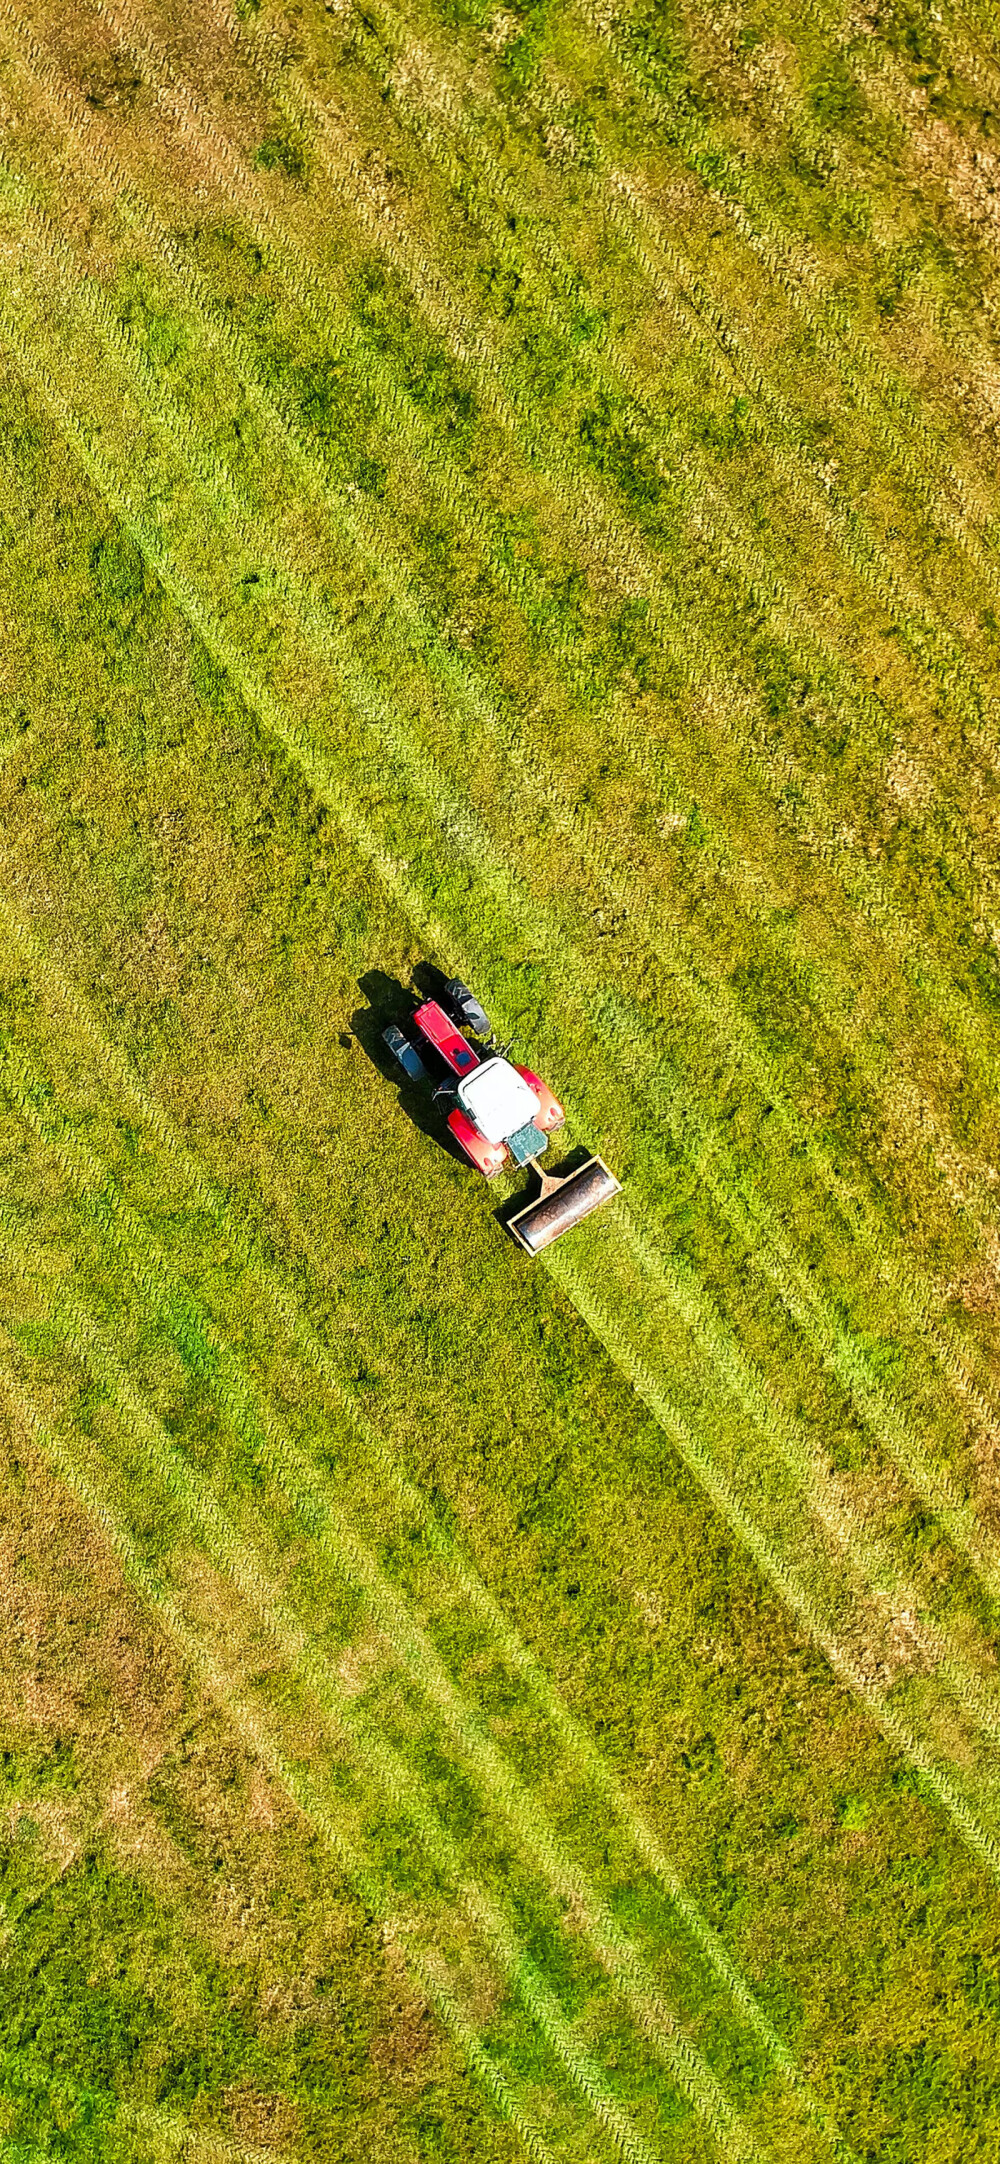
(514, 489)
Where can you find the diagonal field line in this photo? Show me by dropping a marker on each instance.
(326, 786)
(688, 1123)
(575, 1739)
(308, 1801)
(413, 1650)
(864, 884)
(905, 1289)
(715, 1001)
(795, 1594)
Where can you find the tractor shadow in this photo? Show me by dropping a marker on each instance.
(391, 1001)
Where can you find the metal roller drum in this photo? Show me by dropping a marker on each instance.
(562, 1204)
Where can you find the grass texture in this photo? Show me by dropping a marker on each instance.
(511, 488)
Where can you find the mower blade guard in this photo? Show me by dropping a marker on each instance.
(562, 1204)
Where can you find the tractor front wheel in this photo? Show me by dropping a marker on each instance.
(466, 1008)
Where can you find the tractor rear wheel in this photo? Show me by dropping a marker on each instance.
(406, 1053)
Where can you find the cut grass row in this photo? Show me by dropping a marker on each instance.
(109, 1106)
(938, 1492)
(666, 618)
(939, 989)
(311, 1508)
(314, 1505)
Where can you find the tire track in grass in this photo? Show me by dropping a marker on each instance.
(397, 1783)
(796, 1596)
(575, 1739)
(314, 1503)
(698, 1461)
(867, 1559)
(938, 1494)
(307, 1799)
(453, 671)
(432, 786)
(836, 1347)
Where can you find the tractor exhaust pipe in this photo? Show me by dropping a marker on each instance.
(566, 1198)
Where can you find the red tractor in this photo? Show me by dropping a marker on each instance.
(503, 1114)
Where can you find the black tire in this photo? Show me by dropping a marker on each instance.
(466, 1008)
(406, 1053)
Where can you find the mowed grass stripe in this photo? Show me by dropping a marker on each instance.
(289, 1315)
(868, 1559)
(432, 785)
(245, 1568)
(283, 732)
(861, 882)
(771, 1080)
(314, 1502)
(307, 1798)
(941, 1782)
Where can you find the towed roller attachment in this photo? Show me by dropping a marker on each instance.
(565, 1199)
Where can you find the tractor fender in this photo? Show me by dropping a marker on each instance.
(486, 1156)
(550, 1113)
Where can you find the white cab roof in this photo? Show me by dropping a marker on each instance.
(497, 1099)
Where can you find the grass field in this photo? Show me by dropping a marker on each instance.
(510, 488)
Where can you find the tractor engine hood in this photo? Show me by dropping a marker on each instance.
(497, 1100)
